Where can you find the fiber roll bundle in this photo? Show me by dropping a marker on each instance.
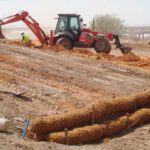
(96, 132)
(48, 124)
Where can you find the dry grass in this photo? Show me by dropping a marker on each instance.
(129, 57)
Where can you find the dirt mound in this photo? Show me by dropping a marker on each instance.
(144, 63)
(34, 44)
(83, 51)
(129, 57)
(104, 56)
(75, 51)
(13, 42)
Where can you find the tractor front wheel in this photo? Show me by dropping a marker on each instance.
(102, 45)
(65, 42)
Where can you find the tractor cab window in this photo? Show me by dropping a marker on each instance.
(74, 24)
(62, 24)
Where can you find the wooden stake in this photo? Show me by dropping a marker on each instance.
(136, 106)
(93, 114)
(107, 128)
(66, 135)
(128, 115)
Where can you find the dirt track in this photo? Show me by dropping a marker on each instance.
(57, 82)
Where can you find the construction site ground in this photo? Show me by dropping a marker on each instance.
(53, 82)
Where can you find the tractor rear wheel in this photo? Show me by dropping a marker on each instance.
(65, 42)
(102, 45)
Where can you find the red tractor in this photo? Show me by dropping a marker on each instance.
(70, 32)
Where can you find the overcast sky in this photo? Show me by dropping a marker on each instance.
(133, 12)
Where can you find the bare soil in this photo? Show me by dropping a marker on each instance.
(55, 82)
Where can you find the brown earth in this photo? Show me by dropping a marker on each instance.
(130, 59)
(54, 82)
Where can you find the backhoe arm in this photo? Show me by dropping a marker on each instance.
(30, 22)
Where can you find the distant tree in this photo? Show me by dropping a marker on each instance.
(108, 23)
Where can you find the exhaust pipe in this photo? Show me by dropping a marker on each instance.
(1, 33)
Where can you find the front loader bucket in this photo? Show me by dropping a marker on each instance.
(1, 34)
(125, 50)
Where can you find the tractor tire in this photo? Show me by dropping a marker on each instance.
(102, 45)
(65, 42)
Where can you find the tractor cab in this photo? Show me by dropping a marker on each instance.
(69, 24)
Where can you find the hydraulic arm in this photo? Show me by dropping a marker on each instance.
(30, 22)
